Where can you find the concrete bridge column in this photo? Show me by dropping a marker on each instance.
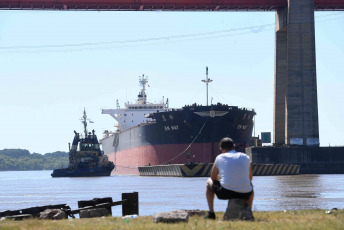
(295, 75)
(281, 73)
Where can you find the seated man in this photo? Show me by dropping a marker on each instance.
(231, 177)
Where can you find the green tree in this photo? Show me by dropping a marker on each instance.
(21, 159)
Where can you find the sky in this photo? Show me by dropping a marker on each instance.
(56, 63)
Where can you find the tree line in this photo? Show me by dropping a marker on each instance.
(22, 159)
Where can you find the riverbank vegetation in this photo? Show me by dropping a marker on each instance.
(305, 219)
(21, 159)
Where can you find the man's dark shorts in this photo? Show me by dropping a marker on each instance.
(225, 194)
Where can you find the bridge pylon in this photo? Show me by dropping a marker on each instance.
(295, 94)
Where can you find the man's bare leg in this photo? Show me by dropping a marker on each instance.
(250, 200)
(210, 195)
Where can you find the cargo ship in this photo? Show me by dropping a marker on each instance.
(85, 157)
(151, 134)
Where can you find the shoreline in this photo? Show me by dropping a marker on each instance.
(298, 219)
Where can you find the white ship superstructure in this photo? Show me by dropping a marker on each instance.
(136, 113)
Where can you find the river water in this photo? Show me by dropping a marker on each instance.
(24, 189)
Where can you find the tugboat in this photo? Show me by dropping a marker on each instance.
(85, 157)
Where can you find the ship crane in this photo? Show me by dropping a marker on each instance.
(207, 81)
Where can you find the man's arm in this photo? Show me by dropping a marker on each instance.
(251, 174)
(215, 173)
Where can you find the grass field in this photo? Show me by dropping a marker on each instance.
(304, 219)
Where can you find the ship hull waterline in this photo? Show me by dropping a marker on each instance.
(82, 172)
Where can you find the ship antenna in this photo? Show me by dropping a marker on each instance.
(207, 81)
(143, 82)
(117, 104)
(85, 122)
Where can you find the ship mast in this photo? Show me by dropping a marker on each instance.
(143, 81)
(207, 81)
(84, 117)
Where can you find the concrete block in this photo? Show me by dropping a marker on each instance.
(238, 209)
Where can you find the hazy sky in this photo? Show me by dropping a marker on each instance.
(56, 63)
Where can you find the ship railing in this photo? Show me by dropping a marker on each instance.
(247, 108)
(218, 104)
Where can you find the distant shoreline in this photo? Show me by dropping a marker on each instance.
(23, 160)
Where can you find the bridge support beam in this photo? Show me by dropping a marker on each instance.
(295, 102)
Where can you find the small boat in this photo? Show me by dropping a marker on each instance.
(85, 157)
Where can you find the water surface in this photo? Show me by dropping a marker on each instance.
(24, 189)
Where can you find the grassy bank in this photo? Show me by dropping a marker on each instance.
(306, 219)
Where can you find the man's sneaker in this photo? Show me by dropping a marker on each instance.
(210, 215)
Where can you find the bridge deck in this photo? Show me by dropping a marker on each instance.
(165, 5)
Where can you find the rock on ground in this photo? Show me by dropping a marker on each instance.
(195, 212)
(171, 217)
(238, 209)
(54, 214)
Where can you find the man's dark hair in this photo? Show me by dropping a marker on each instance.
(226, 143)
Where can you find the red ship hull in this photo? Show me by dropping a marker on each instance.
(127, 161)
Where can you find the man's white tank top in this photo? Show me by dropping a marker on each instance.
(234, 170)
